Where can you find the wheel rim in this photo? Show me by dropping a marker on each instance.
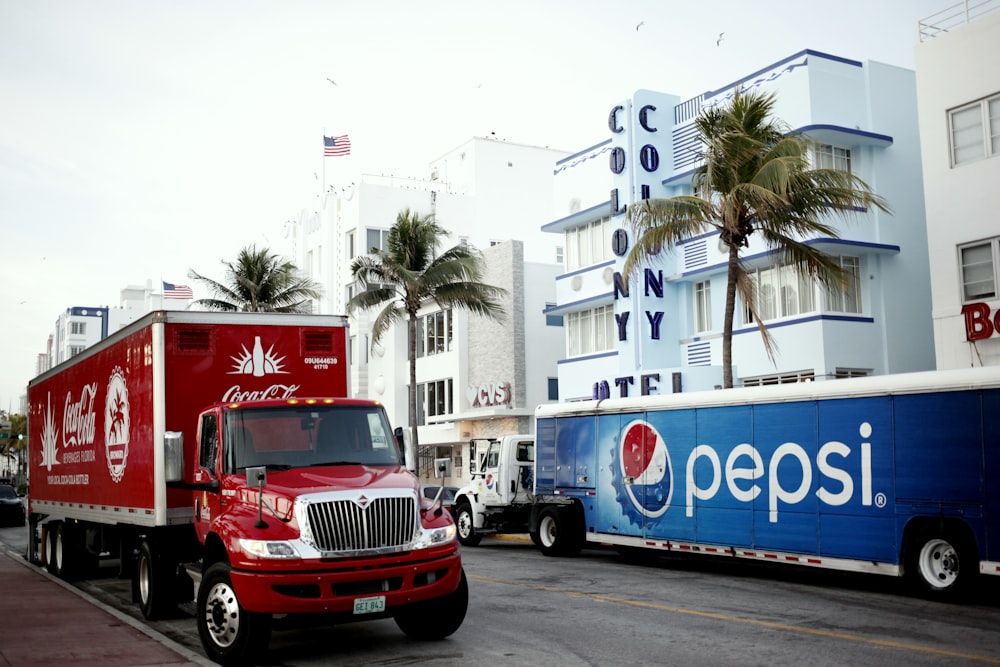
(144, 579)
(547, 531)
(222, 615)
(50, 549)
(59, 550)
(938, 563)
(464, 524)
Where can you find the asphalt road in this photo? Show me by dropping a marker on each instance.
(599, 609)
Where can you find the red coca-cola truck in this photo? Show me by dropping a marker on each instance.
(216, 456)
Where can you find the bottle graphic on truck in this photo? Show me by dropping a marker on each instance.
(236, 475)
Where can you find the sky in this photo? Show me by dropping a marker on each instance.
(140, 140)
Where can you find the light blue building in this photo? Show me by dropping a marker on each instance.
(662, 331)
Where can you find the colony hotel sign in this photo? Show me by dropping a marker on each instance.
(978, 324)
(639, 313)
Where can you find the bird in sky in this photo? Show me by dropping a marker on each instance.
(331, 81)
(640, 24)
(718, 42)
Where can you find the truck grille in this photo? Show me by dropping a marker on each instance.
(343, 525)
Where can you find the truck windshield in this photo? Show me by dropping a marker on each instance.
(294, 437)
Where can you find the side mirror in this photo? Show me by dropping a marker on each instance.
(256, 479)
(442, 467)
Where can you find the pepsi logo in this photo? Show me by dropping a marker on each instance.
(644, 469)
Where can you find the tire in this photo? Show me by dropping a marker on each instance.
(557, 534)
(465, 523)
(63, 551)
(229, 634)
(155, 579)
(54, 551)
(940, 564)
(435, 619)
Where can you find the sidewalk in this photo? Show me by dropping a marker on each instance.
(46, 623)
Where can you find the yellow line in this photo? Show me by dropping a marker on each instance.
(884, 643)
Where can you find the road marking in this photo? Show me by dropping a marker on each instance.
(883, 643)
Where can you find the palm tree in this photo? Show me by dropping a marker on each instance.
(755, 177)
(259, 281)
(408, 275)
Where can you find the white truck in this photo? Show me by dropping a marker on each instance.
(501, 499)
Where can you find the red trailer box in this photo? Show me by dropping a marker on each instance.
(219, 452)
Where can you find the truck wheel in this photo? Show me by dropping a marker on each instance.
(229, 634)
(63, 551)
(940, 564)
(54, 554)
(466, 524)
(435, 619)
(556, 534)
(154, 583)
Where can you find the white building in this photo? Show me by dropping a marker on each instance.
(958, 92)
(79, 327)
(476, 378)
(663, 332)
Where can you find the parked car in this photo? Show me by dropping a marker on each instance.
(447, 497)
(11, 507)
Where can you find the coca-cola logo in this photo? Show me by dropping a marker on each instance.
(279, 391)
(79, 418)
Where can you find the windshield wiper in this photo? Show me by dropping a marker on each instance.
(277, 466)
(336, 463)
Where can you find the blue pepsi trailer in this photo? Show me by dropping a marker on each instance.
(896, 475)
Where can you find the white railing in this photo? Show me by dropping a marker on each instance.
(954, 16)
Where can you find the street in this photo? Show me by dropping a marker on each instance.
(600, 609)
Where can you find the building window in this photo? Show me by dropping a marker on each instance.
(833, 157)
(349, 245)
(588, 244)
(590, 331)
(780, 378)
(436, 397)
(75, 350)
(975, 131)
(434, 333)
(702, 306)
(978, 273)
(78, 328)
(553, 389)
(783, 290)
(559, 254)
(847, 299)
(842, 373)
(553, 320)
(377, 238)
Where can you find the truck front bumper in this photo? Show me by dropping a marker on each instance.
(333, 587)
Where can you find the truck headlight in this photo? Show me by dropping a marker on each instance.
(268, 549)
(432, 537)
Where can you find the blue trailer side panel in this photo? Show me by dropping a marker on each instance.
(722, 519)
(545, 456)
(991, 466)
(939, 448)
(859, 519)
(786, 510)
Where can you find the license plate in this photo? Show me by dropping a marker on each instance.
(370, 605)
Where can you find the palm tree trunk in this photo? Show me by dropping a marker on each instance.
(727, 327)
(412, 354)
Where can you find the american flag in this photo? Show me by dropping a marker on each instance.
(336, 145)
(171, 291)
